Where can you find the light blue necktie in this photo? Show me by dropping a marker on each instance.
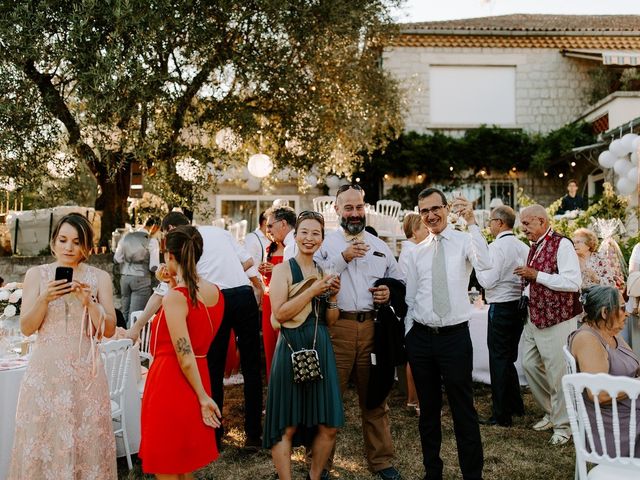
(439, 287)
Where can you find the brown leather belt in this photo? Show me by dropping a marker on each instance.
(359, 316)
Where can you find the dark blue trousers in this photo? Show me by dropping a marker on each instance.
(437, 359)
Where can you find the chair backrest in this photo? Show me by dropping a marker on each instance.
(218, 222)
(145, 341)
(115, 357)
(570, 360)
(390, 208)
(242, 230)
(133, 317)
(323, 204)
(586, 450)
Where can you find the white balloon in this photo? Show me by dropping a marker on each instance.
(632, 174)
(635, 145)
(622, 166)
(625, 186)
(627, 141)
(634, 158)
(607, 159)
(311, 180)
(332, 181)
(618, 149)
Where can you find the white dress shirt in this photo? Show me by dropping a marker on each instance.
(290, 247)
(500, 283)
(359, 275)
(405, 248)
(463, 252)
(569, 276)
(222, 258)
(256, 244)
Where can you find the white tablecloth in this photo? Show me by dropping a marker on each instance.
(10, 387)
(478, 330)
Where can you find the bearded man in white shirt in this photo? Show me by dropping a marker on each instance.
(360, 259)
(503, 291)
(553, 280)
(437, 330)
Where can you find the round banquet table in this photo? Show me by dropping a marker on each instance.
(478, 331)
(10, 380)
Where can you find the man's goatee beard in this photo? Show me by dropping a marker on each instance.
(353, 228)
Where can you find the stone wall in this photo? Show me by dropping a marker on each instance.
(550, 88)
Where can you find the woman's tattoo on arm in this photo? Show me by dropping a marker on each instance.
(182, 346)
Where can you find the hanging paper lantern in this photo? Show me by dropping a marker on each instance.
(260, 165)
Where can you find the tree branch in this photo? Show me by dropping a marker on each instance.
(58, 108)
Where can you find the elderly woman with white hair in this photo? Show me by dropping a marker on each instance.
(595, 269)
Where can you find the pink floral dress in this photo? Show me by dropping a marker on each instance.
(598, 270)
(63, 420)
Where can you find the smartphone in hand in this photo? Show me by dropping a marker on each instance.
(64, 273)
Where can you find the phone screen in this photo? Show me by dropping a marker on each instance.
(64, 273)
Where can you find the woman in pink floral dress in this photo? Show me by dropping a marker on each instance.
(63, 421)
(595, 268)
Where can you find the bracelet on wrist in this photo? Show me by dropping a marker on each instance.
(332, 305)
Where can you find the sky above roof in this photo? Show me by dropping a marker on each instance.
(432, 10)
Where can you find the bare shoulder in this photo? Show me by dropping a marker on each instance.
(173, 297)
(209, 292)
(585, 341)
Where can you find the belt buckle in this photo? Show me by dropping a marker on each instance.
(360, 316)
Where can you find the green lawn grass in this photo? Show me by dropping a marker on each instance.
(516, 453)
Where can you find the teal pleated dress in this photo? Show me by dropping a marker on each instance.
(303, 405)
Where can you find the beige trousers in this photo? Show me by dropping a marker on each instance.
(544, 367)
(352, 344)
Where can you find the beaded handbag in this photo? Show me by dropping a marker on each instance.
(305, 362)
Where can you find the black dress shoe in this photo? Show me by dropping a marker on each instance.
(491, 421)
(389, 473)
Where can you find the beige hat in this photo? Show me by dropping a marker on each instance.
(302, 315)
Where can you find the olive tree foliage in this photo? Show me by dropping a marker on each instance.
(109, 82)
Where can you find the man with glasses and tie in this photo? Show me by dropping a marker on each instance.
(437, 330)
(360, 259)
(503, 290)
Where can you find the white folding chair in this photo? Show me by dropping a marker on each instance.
(133, 317)
(145, 339)
(610, 464)
(115, 356)
(570, 360)
(391, 208)
(571, 368)
(323, 204)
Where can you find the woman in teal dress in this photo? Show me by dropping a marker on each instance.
(303, 413)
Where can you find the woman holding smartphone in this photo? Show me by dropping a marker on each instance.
(63, 419)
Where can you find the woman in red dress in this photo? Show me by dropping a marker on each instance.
(178, 413)
(275, 255)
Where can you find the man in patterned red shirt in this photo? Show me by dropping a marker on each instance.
(551, 280)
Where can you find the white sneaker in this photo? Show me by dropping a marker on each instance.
(559, 438)
(544, 424)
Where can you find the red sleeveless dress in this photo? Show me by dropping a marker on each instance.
(175, 440)
(269, 335)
